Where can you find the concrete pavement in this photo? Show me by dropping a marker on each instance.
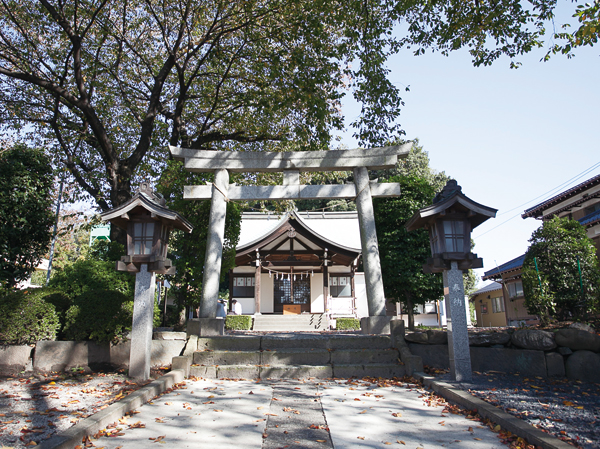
(292, 413)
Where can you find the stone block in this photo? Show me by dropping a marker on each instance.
(583, 366)
(226, 358)
(564, 351)
(437, 337)
(230, 343)
(555, 364)
(193, 327)
(375, 324)
(359, 341)
(294, 341)
(412, 364)
(207, 372)
(296, 372)
(238, 372)
(582, 327)
(489, 338)
(163, 351)
(533, 339)
(295, 357)
(374, 370)
(576, 339)
(211, 327)
(435, 356)
(523, 361)
(164, 335)
(15, 359)
(417, 337)
(60, 355)
(119, 355)
(191, 346)
(397, 327)
(182, 363)
(364, 356)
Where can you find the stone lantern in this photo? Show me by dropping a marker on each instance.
(450, 221)
(148, 224)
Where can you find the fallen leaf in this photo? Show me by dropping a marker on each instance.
(400, 442)
(397, 415)
(364, 411)
(321, 441)
(361, 438)
(217, 410)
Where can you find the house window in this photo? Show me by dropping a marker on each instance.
(593, 208)
(515, 289)
(143, 234)
(497, 305)
(243, 286)
(484, 309)
(340, 286)
(454, 236)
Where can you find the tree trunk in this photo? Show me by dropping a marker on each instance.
(409, 311)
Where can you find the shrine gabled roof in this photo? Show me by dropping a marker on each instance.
(266, 238)
(590, 219)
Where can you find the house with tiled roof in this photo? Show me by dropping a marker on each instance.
(489, 306)
(581, 203)
(509, 276)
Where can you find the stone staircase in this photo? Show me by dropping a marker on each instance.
(298, 356)
(305, 322)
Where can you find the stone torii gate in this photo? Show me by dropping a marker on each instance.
(291, 164)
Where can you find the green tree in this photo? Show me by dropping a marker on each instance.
(111, 84)
(566, 281)
(187, 250)
(26, 218)
(588, 16)
(403, 253)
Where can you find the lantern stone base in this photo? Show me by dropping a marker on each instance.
(206, 327)
(375, 324)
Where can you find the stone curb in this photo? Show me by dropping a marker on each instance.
(98, 421)
(514, 425)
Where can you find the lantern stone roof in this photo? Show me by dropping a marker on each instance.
(146, 200)
(451, 196)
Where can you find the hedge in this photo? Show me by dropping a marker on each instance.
(344, 324)
(238, 322)
(26, 316)
(99, 315)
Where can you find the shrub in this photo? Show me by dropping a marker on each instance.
(238, 322)
(346, 324)
(85, 275)
(26, 317)
(99, 315)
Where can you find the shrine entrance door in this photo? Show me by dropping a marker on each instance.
(291, 296)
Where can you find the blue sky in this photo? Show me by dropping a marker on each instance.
(507, 136)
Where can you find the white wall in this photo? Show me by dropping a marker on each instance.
(266, 293)
(360, 290)
(317, 305)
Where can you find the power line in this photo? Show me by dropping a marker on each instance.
(547, 195)
(574, 178)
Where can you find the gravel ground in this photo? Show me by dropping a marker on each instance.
(34, 408)
(569, 410)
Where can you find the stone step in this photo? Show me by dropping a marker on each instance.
(292, 341)
(297, 371)
(313, 357)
